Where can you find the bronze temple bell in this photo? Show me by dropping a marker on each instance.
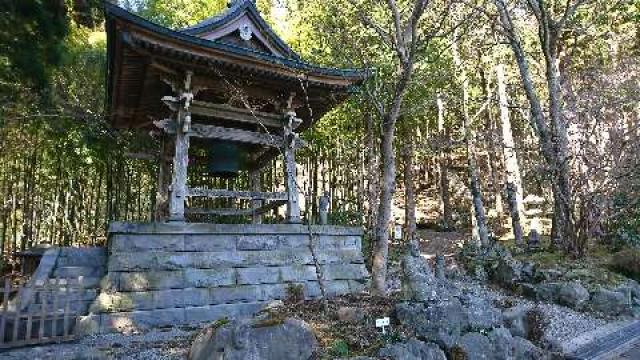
(224, 159)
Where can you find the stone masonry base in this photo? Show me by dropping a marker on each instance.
(166, 274)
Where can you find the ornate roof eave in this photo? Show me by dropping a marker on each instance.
(216, 51)
(236, 10)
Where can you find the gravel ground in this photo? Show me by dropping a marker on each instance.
(564, 324)
(169, 343)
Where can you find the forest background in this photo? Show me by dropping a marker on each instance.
(476, 110)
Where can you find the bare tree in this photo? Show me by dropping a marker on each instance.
(404, 39)
(551, 129)
(512, 170)
(480, 224)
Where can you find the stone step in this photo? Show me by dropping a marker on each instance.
(141, 320)
(77, 271)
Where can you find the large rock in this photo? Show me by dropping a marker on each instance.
(507, 272)
(412, 349)
(419, 283)
(502, 343)
(474, 346)
(548, 291)
(610, 303)
(526, 350)
(481, 313)
(573, 295)
(515, 319)
(290, 339)
(442, 322)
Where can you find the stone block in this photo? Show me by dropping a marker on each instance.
(209, 242)
(119, 302)
(209, 277)
(339, 242)
(271, 242)
(276, 257)
(191, 296)
(88, 325)
(122, 243)
(298, 273)
(141, 320)
(336, 288)
(344, 256)
(258, 275)
(243, 293)
(217, 312)
(344, 271)
(312, 290)
(155, 280)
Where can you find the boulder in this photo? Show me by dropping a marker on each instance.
(442, 322)
(350, 314)
(515, 319)
(548, 291)
(610, 303)
(412, 349)
(473, 346)
(419, 282)
(290, 339)
(526, 350)
(502, 343)
(481, 313)
(507, 272)
(573, 295)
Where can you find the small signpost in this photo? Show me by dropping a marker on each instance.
(383, 324)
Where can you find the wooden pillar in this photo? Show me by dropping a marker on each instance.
(164, 180)
(255, 182)
(290, 173)
(181, 156)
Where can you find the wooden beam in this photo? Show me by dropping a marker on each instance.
(222, 193)
(255, 182)
(227, 112)
(271, 205)
(237, 135)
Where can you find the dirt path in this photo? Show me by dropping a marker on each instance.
(435, 242)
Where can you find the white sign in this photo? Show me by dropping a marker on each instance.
(397, 233)
(383, 323)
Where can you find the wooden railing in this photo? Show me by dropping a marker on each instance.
(53, 318)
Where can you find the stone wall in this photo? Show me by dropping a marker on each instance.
(167, 274)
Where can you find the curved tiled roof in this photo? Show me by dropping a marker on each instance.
(238, 8)
(114, 11)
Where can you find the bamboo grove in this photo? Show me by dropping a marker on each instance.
(465, 123)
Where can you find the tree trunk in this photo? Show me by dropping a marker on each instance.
(409, 189)
(469, 135)
(373, 173)
(381, 247)
(443, 165)
(514, 182)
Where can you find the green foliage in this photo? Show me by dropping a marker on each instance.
(177, 13)
(339, 348)
(32, 34)
(627, 262)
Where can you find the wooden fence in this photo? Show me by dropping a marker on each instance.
(44, 313)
